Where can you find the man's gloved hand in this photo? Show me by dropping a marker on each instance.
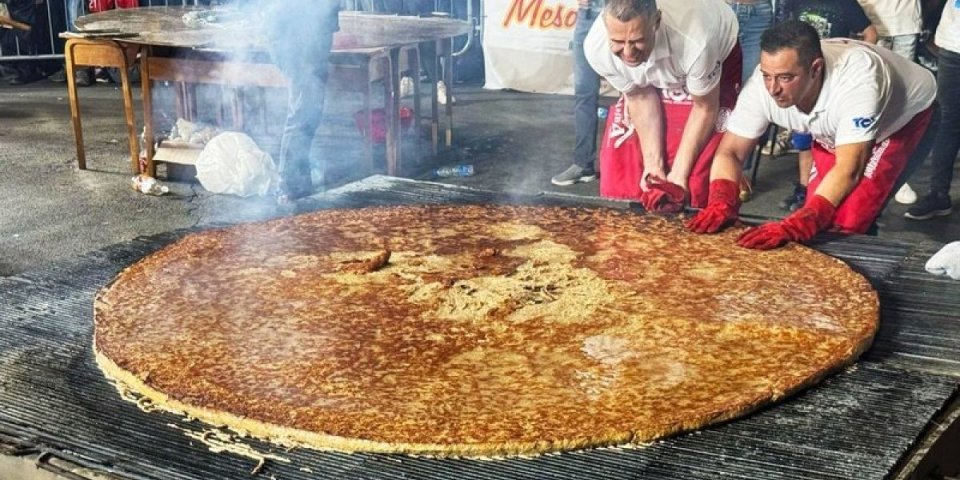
(799, 226)
(662, 196)
(723, 205)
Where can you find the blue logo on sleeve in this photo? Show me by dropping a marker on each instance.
(863, 122)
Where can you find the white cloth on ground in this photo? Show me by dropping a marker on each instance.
(946, 261)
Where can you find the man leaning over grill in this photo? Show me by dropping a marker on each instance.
(868, 110)
(677, 67)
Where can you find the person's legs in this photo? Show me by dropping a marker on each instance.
(586, 85)
(300, 46)
(801, 142)
(946, 143)
(586, 90)
(903, 45)
(753, 20)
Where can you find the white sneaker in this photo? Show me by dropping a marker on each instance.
(906, 195)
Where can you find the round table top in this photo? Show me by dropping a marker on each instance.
(228, 29)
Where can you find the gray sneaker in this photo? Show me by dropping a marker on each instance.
(574, 174)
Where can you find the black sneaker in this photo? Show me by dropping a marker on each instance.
(931, 205)
(796, 199)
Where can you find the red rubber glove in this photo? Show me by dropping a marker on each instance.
(663, 196)
(799, 226)
(723, 205)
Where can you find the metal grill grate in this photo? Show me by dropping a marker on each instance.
(859, 423)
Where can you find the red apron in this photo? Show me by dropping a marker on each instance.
(862, 206)
(621, 163)
(94, 6)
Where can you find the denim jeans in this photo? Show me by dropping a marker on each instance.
(753, 20)
(903, 45)
(586, 94)
(74, 10)
(947, 142)
(301, 36)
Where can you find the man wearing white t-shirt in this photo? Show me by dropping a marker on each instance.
(677, 67)
(868, 110)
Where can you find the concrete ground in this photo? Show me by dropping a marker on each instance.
(50, 210)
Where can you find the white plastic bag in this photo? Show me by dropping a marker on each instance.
(232, 163)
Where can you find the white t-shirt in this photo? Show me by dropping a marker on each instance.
(694, 38)
(869, 93)
(894, 17)
(948, 33)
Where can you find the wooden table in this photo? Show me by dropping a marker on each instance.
(361, 35)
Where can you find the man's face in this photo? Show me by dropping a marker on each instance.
(633, 40)
(788, 81)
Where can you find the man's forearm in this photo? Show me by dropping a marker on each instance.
(731, 153)
(848, 169)
(697, 131)
(646, 113)
(8, 22)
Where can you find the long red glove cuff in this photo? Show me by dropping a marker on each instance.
(815, 216)
(726, 192)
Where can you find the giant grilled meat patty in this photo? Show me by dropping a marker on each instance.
(474, 330)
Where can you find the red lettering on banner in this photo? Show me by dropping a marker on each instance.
(537, 15)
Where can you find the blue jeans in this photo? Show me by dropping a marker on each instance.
(753, 20)
(586, 94)
(301, 36)
(947, 142)
(74, 10)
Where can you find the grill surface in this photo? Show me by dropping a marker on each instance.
(860, 423)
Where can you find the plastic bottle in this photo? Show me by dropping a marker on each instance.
(454, 171)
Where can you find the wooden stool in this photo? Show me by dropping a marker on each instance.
(85, 52)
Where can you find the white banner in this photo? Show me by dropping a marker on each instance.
(526, 45)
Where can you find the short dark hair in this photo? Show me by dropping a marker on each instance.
(793, 34)
(626, 10)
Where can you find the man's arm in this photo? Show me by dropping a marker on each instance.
(817, 213)
(870, 34)
(9, 22)
(731, 153)
(723, 205)
(851, 162)
(697, 131)
(646, 114)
